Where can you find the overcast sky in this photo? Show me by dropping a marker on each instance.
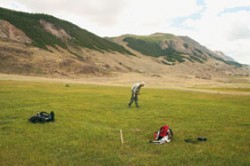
(217, 24)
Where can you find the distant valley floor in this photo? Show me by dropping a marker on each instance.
(229, 85)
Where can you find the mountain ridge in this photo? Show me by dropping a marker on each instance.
(56, 47)
(173, 48)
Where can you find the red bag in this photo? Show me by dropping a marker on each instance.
(163, 131)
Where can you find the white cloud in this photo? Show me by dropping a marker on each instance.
(239, 26)
(228, 32)
(215, 24)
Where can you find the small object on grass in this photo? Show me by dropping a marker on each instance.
(121, 136)
(67, 85)
(199, 139)
(202, 139)
(42, 117)
(164, 135)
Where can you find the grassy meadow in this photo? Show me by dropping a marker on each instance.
(89, 119)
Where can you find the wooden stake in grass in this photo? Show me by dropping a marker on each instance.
(121, 136)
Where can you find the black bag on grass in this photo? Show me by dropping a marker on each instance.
(42, 117)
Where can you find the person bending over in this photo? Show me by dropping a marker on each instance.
(135, 92)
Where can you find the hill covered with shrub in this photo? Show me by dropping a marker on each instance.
(34, 26)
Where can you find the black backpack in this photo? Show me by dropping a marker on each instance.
(42, 117)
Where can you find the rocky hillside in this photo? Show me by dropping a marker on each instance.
(39, 44)
(173, 49)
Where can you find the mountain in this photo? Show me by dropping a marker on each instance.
(174, 49)
(44, 30)
(39, 44)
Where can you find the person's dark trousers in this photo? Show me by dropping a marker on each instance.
(134, 97)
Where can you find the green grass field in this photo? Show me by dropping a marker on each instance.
(89, 119)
